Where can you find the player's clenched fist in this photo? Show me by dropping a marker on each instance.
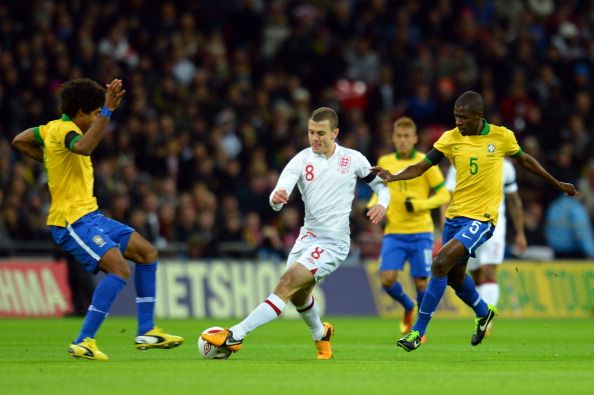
(280, 196)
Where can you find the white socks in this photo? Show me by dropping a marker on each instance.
(311, 315)
(489, 292)
(266, 311)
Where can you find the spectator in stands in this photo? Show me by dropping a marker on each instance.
(568, 229)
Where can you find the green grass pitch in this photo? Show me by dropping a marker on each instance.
(521, 357)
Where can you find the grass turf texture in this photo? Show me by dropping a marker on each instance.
(522, 357)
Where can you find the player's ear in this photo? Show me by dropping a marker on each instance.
(335, 133)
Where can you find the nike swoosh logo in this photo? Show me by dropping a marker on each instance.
(484, 327)
(464, 235)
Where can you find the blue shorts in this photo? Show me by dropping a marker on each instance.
(417, 248)
(470, 232)
(90, 237)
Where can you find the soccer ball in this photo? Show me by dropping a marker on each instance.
(208, 351)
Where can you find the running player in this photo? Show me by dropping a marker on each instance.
(483, 268)
(408, 235)
(477, 149)
(325, 174)
(64, 147)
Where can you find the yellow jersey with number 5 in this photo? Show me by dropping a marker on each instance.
(478, 160)
(69, 175)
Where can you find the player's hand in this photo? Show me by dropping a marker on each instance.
(381, 173)
(376, 213)
(114, 93)
(280, 196)
(568, 189)
(521, 243)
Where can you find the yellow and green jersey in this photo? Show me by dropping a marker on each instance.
(478, 160)
(398, 219)
(70, 176)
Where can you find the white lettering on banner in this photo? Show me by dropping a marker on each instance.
(31, 292)
(218, 289)
(242, 278)
(53, 294)
(220, 305)
(197, 275)
(9, 299)
(175, 291)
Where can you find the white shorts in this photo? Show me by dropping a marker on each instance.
(321, 256)
(492, 251)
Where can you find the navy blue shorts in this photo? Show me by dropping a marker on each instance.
(470, 232)
(90, 237)
(417, 248)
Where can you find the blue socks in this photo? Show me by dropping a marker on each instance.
(103, 297)
(145, 280)
(398, 294)
(468, 293)
(433, 295)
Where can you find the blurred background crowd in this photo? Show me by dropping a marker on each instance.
(219, 94)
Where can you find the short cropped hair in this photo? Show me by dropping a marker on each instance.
(471, 100)
(405, 122)
(81, 94)
(323, 114)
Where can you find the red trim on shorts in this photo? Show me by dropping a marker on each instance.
(307, 307)
(276, 309)
(313, 271)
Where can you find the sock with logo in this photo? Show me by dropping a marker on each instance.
(145, 280)
(103, 297)
(468, 293)
(433, 295)
(310, 312)
(265, 312)
(397, 293)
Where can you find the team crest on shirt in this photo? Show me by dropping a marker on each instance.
(344, 163)
(491, 148)
(98, 240)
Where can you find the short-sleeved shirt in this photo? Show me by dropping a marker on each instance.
(327, 187)
(70, 176)
(478, 160)
(398, 219)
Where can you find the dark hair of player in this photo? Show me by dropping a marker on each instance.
(81, 94)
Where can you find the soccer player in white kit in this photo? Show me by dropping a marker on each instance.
(483, 268)
(326, 175)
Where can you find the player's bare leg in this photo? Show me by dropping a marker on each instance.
(295, 278)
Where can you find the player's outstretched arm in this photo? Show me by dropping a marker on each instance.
(26, 144)
(529, 163)
(91, 139)
(412, 171)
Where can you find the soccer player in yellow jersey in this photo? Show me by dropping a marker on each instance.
(64, 147)
(476, 149)
(408, 234)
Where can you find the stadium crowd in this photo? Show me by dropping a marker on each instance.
(218, 96)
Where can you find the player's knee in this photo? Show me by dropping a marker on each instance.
(147, 254)
(151, 254)
(388, 282)
(440, 266)
(122, 270)
(285, 287)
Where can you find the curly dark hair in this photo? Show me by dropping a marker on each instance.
(81, 94)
